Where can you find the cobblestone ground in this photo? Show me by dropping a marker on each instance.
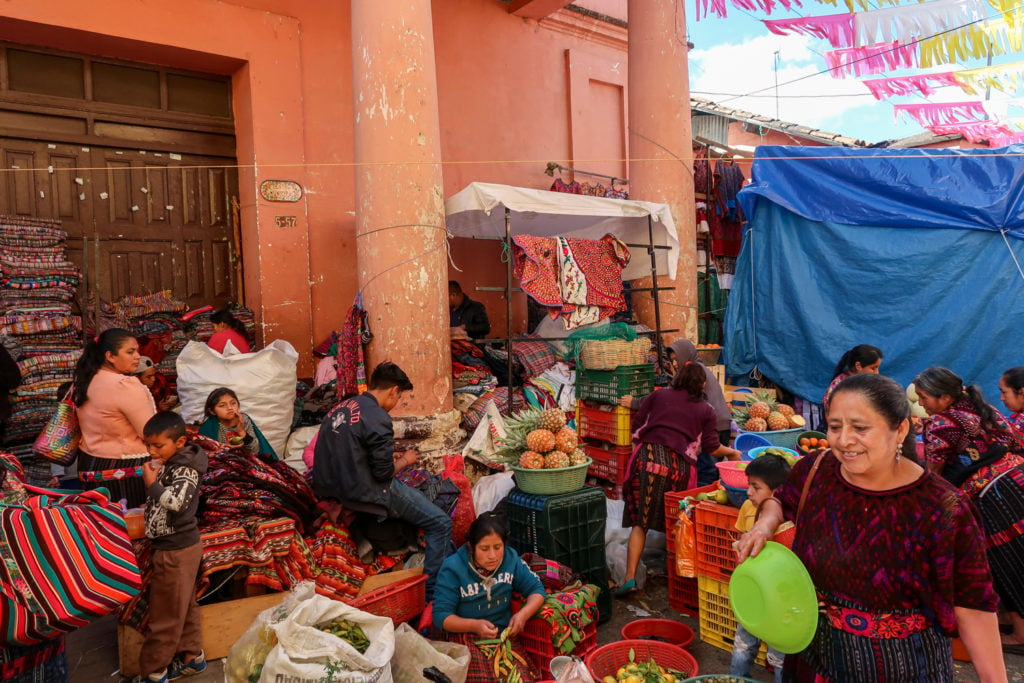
(92, 651)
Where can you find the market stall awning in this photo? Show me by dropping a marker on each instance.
(479, 211)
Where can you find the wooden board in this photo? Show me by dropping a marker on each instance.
(223, 624)
(380, 580)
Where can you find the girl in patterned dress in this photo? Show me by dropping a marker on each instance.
(975, 448)
(672, 427)
(1011, 393)
(894, 551)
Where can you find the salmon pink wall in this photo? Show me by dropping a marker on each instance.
(504, 102)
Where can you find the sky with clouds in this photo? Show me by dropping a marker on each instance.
(736, 56)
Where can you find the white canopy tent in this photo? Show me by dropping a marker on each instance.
(490, 211)
(479, 211)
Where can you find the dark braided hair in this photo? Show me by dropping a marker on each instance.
(93, 358)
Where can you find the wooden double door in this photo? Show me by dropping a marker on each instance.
(137, 221)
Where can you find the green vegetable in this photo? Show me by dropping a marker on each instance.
(349, 632)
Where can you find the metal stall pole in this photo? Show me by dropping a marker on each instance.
(654, 288)
(508, 300)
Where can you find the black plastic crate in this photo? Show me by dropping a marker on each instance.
(608, 386)
(566, 528)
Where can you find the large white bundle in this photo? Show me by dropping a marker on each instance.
(264, 381)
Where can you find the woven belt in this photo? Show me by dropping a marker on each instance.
(874, 624)
(111, 475)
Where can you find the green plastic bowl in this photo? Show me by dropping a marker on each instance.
(773, 597)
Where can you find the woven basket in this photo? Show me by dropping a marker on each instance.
(608, 354)
(608, 658)
(551, 482)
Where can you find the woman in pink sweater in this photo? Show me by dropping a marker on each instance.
(113, 407)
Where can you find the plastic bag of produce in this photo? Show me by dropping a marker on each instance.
(311, 637)
(248, 654)
(575, 672)
(414, 653)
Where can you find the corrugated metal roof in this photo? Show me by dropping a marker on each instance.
(795, 129)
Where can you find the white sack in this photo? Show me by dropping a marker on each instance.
(414, 653)
(297, 442)
(303, 651)
(264, 381)
(490, 490)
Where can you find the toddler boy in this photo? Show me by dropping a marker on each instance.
(173, 648)
(764, 475)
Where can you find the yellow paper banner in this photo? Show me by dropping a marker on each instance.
(1005, 77)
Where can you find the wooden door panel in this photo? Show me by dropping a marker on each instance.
(158, 195)
(196, 269)
(65, 193)
(136, 267)
(21, 182)
(222, 267)
(117, 192)
(191, 197)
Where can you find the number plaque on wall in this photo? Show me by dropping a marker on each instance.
(280, 190)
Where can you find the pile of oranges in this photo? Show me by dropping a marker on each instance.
(813, 443)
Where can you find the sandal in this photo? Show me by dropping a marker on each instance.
(626, 588)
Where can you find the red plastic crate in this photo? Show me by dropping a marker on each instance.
(683, 595)
(607, 423)
(401, 600)
(536, 637)
(672, 500)
(716, 532)
(611, 491)
(608, 462)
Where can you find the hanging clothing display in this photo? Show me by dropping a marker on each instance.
(579, 279)
(351, 363)
(569, 188)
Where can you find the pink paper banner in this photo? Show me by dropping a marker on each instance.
(837, 29)
(973, 131)
(924, 84)
(871, 59)
(717, 7)
(943, 113)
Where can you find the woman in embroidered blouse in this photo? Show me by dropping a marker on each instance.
(672, 427)
(1011, 392)
(970, 444)
(861, 358)
(113, 407)
(894, 551)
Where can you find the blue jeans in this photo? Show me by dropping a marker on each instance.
(410, 505)
(744, 651)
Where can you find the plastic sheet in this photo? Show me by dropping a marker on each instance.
(896, 248)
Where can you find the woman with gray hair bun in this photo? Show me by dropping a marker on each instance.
(969, 443)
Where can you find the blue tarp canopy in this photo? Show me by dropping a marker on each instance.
(917, 252)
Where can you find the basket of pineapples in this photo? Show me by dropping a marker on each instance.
(764, 416)
(544, 453)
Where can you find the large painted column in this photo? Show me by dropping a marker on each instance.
(661, 166)
(399, 197)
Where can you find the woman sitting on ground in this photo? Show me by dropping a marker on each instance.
(228, 328)
(225, 422)
(473, 595)
(895, 553)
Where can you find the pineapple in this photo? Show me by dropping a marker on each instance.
(785, 410)
(565, 440)
(797, 421)
(577, 457)
(552, 420)
(777, 421)
(755, 424)
(540, 440)
(556, 460)
(759, 409)
(516, 428)
(531, 460)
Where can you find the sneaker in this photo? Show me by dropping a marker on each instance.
(158, 677)
(180, 668)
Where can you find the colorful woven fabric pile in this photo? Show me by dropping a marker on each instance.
(37, 289)
(37, 277)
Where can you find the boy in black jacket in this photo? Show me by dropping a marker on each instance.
(173, 648)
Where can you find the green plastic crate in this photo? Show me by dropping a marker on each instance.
(607, 386)
(566, 528)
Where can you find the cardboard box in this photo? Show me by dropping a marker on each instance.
(380, 580)
(223, 624)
